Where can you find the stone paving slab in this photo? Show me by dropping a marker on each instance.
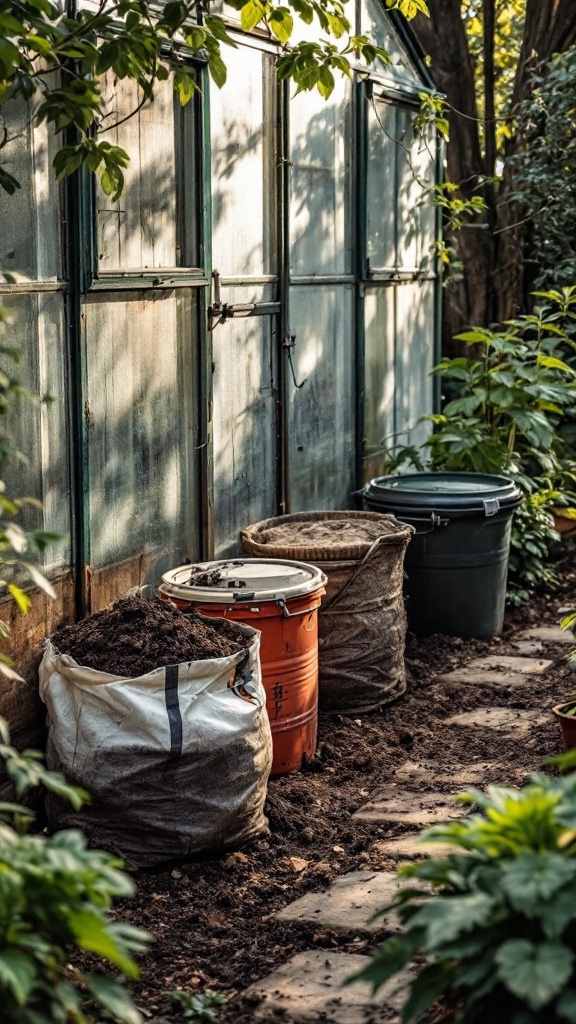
(505, 670)
(403, 805)
(308, 989)
(434, 772)
(412, 848)
(548, 634)
(528, 647)
(498, 662)
(348, 904)
(509, 721)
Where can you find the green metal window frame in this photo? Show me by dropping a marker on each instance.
(158, 277)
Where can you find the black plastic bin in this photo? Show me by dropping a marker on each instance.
(457, 561)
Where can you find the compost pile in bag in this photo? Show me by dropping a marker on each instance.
(362, 621)
(136, 636)
(161, 716)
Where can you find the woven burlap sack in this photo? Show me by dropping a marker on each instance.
(362, 622)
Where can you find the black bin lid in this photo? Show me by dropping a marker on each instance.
(451, 492)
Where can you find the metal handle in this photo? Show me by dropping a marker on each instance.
(290, 615)
(435, 520)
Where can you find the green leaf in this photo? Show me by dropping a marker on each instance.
(217, 69)
(533, 878)
(57, 784)
(251, 14)
(430, 983)
(195, 38)
(112, 182)
(556, 914)
(22, 600)
(8, 671)
(387, 961)
(325, 82)
(185, 86)
(17, 974)
(566, 1005)
(70, 999)
(114, 998)
(94, 935)
(477, 336)
(553, 363)
(39, 579)
(67, 160)
(534, 973)
(215, 24)
(447, 917)
(281, 23)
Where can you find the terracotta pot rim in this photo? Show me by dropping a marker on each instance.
(563, 524)
(558, 710)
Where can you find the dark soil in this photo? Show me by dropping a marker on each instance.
(214, 919)
(137, 635)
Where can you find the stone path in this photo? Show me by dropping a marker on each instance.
(309, 988)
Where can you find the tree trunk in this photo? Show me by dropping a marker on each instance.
(443, 37)
(550, 28)
(494, 284)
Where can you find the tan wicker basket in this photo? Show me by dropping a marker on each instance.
(362, 622)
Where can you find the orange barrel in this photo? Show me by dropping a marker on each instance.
(281, 599)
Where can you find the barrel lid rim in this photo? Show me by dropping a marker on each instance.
(389, 490)
(213, 595)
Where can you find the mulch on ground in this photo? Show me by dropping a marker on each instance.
(213, 919)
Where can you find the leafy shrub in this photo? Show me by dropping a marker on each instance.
(496, 923)
(533, 536)
(508, 397)
(507, 404)
(55, 896)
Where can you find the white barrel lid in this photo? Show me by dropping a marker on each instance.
(240, 580)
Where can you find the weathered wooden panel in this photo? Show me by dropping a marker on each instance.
(375, 24)
(379, 378)
(30, 236)
(322, 412)
(20, 704)
(244, 165)
(149, 225)
(409, 193)
(320, 184)
(400, 213)
(245, 428)
(141, 413)
(415, 208)
(38, 429)
(424, 164)
(399, 323)
(104, 586)
(381, 186)
(414, 359)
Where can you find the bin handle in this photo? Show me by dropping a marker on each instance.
(435, 520)
(358, 568)
(281, 602)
